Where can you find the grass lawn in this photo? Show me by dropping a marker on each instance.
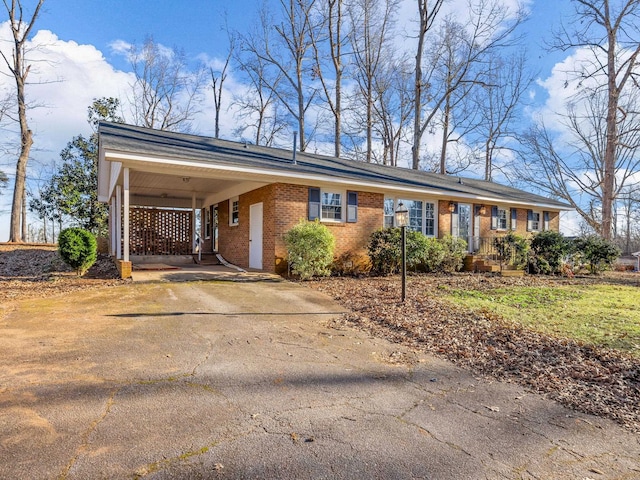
(600, 314)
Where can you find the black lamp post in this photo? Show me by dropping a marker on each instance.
(402, 220)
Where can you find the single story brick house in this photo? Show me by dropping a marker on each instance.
(248, 196)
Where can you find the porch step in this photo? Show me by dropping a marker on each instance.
(512, 273)
(206, 259)
(478, 263)
(487, 268)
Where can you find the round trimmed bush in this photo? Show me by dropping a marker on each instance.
(78, 248)
(310, 248)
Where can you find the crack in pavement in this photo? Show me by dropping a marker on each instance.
(84, 439)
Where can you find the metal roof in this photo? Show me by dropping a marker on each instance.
(146, 142)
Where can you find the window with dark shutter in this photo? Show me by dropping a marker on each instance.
(494, 218)
(352, 207)
(529, 220)
(546, 220)
(314, 203)
(514, 218)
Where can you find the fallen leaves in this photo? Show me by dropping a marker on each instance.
(38, 272)
(589, 379)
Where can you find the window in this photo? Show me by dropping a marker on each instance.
(331, 204)
(234, 211)
(533, 221)
(389, 212)
(415, 214)
(422, 215)
(499, 218)
(430, 219)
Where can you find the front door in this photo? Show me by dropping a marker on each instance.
(255, 236)
(464, 224)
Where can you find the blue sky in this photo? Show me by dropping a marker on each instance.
(78, 35)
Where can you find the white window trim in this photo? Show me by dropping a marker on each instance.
(343, 205)
(231, 202)
(424, 201)
(507, 213)
(540, 221)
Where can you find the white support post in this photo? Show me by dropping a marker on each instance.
(125, 208)
(112, 226)
(118, 222)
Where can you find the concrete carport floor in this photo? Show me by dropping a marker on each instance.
(249, 380)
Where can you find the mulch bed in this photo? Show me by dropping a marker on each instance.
(588, 379)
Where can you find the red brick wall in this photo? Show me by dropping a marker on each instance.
(292, 206)
(233, 241)
(444, 221)
(284, 205)
(444, 218)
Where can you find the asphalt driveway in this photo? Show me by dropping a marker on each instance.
(249, 380)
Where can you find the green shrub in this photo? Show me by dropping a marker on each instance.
(78, 248)
(385, 251)
(310, 248)
(548, 249)
(513, 249)
(595, 253)
(455, 250)
(427, 253)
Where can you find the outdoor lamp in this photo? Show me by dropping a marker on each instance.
(452, 207)
(402, 220)
(402, 215)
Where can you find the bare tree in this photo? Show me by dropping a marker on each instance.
(610, 32)
(394, 106)
(285, 57)
(372, 24)
(330, 32)
(217, 81)
(489, 28)
(628, 207)
(165, 94)
(17, 64)
(498, 101)
(428, 12)
(258, 107)
(572, 166)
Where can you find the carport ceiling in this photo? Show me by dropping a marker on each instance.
(172, 186)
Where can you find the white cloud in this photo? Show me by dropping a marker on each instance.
(120, 47)
(64, 79)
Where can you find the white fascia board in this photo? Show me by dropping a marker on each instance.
(104, 192)
(305, 178)
(115, 169)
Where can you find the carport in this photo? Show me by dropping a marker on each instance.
(154, 194)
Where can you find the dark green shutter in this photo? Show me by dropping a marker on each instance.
(352, 207)
(514, 218)
(314, 203)
(494, 218)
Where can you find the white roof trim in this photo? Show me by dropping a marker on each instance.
(113, 155)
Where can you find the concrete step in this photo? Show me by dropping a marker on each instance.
(512, 273)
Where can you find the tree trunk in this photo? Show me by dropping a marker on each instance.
(445, 134)
(609, 163)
